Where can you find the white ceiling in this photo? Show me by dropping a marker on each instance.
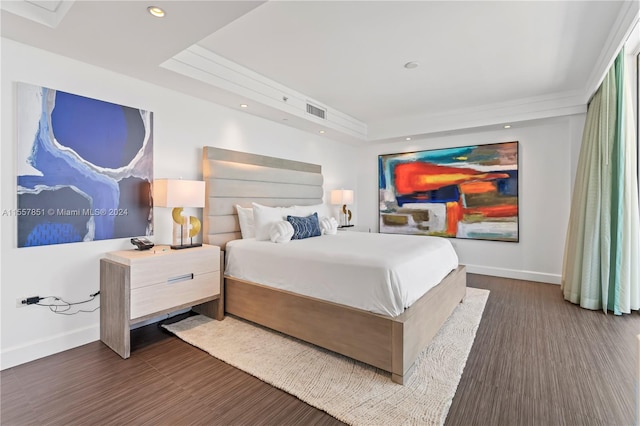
(349, 55)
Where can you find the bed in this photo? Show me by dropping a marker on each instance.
(390, 339)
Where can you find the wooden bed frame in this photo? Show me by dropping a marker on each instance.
(389, 343)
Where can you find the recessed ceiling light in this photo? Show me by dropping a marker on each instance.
(244, 106)
(411, 65)
(407, 139)
(156, 11)
(322, 132)
(507, 126)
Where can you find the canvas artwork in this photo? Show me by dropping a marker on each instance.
(465, 192)
(84, 168)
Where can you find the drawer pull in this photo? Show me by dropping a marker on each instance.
(179, 278)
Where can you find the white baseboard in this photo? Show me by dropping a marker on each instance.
(515, 274)
(62, 342)
(40, 348)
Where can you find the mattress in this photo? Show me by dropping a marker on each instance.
(380, 273)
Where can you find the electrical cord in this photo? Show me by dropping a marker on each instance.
(64, 306)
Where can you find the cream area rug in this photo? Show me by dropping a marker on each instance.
(348, 390)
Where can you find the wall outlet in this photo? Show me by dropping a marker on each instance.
(19, 301)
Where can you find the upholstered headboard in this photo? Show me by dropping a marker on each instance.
(234, 177)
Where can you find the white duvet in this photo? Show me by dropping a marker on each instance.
(381, 273)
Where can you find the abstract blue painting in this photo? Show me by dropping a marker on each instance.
(84, 168)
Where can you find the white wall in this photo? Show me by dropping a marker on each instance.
(182, 125)
(548, 150)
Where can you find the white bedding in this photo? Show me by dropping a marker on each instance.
(381, 273)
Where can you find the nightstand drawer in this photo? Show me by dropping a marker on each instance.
(165, 266)
(155, 298)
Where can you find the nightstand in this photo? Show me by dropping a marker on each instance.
(139, 285)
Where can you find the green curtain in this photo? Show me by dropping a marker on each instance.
(602, 253)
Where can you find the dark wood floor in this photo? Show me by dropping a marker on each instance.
(536, 360)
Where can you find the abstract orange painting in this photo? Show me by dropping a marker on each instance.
(464, 192)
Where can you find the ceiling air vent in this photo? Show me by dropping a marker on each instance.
(317, 111)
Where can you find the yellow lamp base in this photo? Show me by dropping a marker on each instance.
(184, 229)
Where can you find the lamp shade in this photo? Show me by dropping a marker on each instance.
(178, 193)
(342, 196)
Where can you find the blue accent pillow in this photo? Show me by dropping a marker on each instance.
(305, 227)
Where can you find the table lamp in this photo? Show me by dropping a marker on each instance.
(178, 193)
(344, 197)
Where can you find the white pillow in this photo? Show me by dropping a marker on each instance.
(245, 217)
(281, 232)
(264, 217)
(304, 211)
(329, 226)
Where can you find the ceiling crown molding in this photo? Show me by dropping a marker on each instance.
(483, 116)
(49, 13)
(627, 18)
(201, 64)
